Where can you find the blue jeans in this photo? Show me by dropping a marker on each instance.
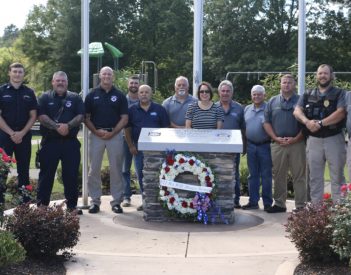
(138, 165)
(259, 162)
(237, 179)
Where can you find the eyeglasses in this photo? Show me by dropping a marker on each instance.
(204, 92)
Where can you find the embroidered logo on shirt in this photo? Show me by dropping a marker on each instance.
(233, 114)
(96, 97)
(51, 103)
(26, 97)
(4, 96)
(68, 104)
(153, 114)
(113, 98)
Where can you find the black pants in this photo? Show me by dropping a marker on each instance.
(51, 152)
(22, 154)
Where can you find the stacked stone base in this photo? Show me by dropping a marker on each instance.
(222, 165)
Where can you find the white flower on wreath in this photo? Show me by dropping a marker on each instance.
(171, 171)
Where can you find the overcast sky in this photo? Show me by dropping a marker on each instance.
(15, 12)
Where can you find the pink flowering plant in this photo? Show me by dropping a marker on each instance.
(341, 224)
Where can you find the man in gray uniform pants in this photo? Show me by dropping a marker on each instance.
(177, 105)
(322, 111)
(288, 146)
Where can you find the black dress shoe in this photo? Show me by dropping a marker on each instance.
(93, 209)
(76, 210)
(266, 207)
(117, 209)
(250, 206)
(237, 205)
(276, 209)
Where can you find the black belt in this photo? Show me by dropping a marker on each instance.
(259, 143)
(106, 129)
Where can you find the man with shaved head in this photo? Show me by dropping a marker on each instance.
(106, 116)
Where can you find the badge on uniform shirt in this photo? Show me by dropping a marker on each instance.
(153, 114)
(326, 103)
(113, 98)
(26, 97)
(68, 104)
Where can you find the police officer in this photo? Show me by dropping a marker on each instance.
(60, 114)
(18, 112)
(322, 111)
(106, 116)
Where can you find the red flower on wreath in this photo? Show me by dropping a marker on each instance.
(184, 204)
(207, 178)
(166, 193)
(171, 200)
(170, 160)
(209, 184)
(181, 160)
(191, 205)
(167, 169)
(191, 162)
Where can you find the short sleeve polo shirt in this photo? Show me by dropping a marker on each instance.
(16, 104)
(155, 117)
(61, 109)
(106, 108)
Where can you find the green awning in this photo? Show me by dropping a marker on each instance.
(95, 50)
(116, 53)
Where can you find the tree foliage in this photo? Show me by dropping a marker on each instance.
(239, 35)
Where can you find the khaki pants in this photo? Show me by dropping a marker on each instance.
(115, 153)
(289, 158)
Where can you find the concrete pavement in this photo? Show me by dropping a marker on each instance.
(126, 244)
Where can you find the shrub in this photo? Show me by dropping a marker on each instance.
(10, 250)
(341, 221)
(44, 230)
(244, 182)
(311, 232)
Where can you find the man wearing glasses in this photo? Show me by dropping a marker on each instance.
(288, 146)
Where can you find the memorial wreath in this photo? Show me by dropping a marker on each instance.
(196, 207)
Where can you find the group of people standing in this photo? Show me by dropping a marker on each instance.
(274, 134)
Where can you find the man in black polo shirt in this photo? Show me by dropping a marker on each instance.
(60, 114)
(145, 114)
(106, 115)
(18, 112)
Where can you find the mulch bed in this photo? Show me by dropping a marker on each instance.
(323, 269)
(54, 266)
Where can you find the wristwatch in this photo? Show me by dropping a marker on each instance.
(320, 123)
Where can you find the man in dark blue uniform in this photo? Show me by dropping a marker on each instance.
(60, 114)
(18, 112)
(145, 114)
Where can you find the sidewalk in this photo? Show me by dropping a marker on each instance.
(126, 244)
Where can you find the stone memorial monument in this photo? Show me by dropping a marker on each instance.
(209, 154)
